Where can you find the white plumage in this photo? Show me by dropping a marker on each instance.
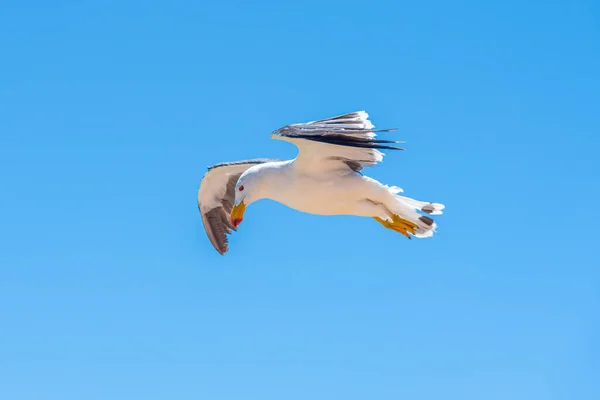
(323, 179)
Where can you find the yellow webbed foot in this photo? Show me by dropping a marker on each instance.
(400, 225)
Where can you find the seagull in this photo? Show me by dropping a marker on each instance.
(324, 179)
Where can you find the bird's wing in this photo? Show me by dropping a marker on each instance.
(216, 198)
(345, 141)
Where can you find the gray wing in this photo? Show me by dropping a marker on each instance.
(216, 197)
(347, 139)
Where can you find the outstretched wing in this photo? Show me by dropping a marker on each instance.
(345, 141)
(216, 197)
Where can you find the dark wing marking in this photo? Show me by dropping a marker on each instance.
(354, 165)
(217, 226)
(254, 161)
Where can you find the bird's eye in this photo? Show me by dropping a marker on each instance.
(241, 188)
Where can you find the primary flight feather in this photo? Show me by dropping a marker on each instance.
(323, 179)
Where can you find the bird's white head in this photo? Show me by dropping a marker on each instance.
(247, 190)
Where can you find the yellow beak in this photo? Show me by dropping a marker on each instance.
(237, 214)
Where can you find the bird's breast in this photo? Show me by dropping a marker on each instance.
(321, 196)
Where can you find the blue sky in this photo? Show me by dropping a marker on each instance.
(111, 111)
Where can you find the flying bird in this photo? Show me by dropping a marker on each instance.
(325, 179)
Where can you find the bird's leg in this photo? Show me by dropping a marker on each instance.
(398, 224)
(404, 225)
(394, 221)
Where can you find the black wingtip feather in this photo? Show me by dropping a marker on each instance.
(343, 140)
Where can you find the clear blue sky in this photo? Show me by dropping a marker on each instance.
(110, 112)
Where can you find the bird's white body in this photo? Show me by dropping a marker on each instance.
(336, 192)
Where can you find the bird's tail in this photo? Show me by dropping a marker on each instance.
(407, 209)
